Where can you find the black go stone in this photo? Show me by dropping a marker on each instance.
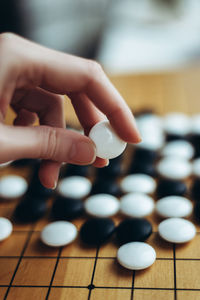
(67, 208)
(195, 189)
(76, 170)
(195, 141)
(143, 168)
(30, 209)
(24, 162)
(167, 187)
(133, 230)
(36, 189)
(110, 171)
(114, 169)
(197, 211)
(97, 231)
(173, 137)
(143, 155)
(106, 186)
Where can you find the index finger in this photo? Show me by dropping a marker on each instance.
(81, 75)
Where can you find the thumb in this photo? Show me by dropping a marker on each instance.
(45, 142)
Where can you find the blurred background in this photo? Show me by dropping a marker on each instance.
(129, 36)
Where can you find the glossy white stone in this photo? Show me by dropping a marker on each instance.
(5, 228)
(138, 183)
(74, 187)
(154, 141)
(196, 167)
(149, 122)
(150, 128)
(12, 186)
(102, 205)
(195, 124)
(59, 233)
(174, 206)
(136, 255)
(177, 230)
(177, 123)
(174, 168)
(136, 205)
(108, 144)
(178, 148)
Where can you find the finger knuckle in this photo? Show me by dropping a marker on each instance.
(49, 147)
(95, 69)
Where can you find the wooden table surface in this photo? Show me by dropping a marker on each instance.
(164, 92)
(30, 270)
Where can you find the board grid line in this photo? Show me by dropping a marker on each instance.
(132, 289)
(93, 257)
(19, 261)
(174, 259)
(91, 285)
(100, 287)
(54, 272)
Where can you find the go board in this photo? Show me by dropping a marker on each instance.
(31, 270)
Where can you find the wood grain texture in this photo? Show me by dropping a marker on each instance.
(74, 273)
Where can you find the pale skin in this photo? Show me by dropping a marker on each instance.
(33, 80)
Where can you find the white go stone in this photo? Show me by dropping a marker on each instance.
(102, 205)
(196, 167)
(174, 168)
(177, 230)
(150, 127)
(178, 148)
(138, 183)
(108, 144)
(74, 187)
(59, 233)
(136, 205)
(5, 228)
(12, 186)
(149, 123)
(177, 123)
(195, 124)
(174, 206)
(136, 255)
(154, 141)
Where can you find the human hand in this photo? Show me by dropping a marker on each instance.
(33, 80)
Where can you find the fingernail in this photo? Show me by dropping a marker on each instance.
(138, 135)
(83, 152)
(55, 185)
(107, 164)
(139, 140)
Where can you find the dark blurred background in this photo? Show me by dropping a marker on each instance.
(129, 36)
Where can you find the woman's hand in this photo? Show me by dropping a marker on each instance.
(32, 80)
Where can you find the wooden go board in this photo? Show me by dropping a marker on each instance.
(31, 270)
